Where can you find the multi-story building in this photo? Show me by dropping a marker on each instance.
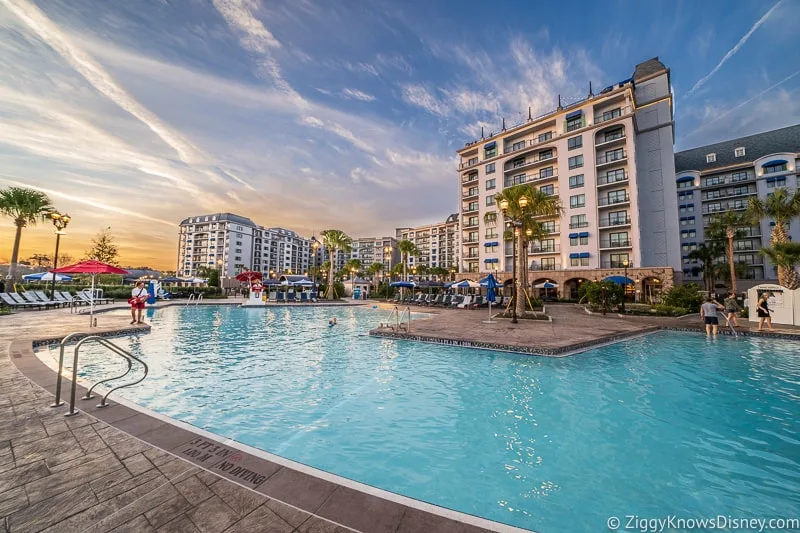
(723, 177)
(609, 158)
(371, 250)
(438, 243)
(232, 243)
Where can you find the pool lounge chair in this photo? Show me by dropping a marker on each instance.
(313, 297)
(303, 297)
(291, 297)
(43, 297)
(465, 302)
(17, 297)
(12, 303)
(87, 297)
(436, 300)
(31, 297)
(479, 302)
(281, 297)
(273, 296)
(70, 298)
(457, 299)
(446, 300)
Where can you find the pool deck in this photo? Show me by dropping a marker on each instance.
(571, 329)
(124, 469)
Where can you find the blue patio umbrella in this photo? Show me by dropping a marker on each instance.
(46, 276)
(406, 284)
(619, 280)
(491, 286)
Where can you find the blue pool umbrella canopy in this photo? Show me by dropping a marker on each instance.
(406, 284)
(466, 284)
(46, 276)
(619, 280)
(491, 285)
(546, 285)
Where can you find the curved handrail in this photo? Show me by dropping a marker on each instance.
(114, 348)
(62, 344)
(111, 346)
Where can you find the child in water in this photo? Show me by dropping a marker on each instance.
(332, 322)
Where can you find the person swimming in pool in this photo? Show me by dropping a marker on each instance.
(332, 322)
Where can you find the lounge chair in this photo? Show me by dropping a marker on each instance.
(17, 297)
(31, 297)
(436, 300)
(457, 299)
(313, 296)
(291, 297)
(446, 300)
(44, 298)
(479, 302)
(70, 298)
(465, 302)
(304, 297)
(273, 296)
(281, 297)
(11, 302)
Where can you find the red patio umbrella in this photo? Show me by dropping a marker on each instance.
(249, 276)
(94, 268)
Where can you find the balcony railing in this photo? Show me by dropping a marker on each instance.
(710, 209)
(542, 176)
(599, 119)
(706, 197)
(614, 264)
(527, 162)
(470, 193)
(549, 249)
(616, 244)
(612, 157)
(468, 164)
(578, 225)
(537, 267)
(469, 178)
(469, 209)
(607, 180)
(613, 200)
(516, 147)
(470, 224)
(610, 222)
(605, 139)
(470, 241)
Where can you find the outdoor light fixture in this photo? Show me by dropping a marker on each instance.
(529, 232)
(523, 202)
(503, 205)
(60, 222)
(625, 265)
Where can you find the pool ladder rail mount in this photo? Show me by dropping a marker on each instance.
(129, 358)
(402, 320)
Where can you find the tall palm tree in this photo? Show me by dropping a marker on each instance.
(26, 207)
(708, 254)
(781, 206)
(407, 249)
(786, 255)
(374, 269)
(353, 266)
(530, 214)
(423, 270)
(334, 240)
(727, 225)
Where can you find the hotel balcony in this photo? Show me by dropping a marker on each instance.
(473, 192)
(469, 164)
(604, 141)
(612, 201)
(578, 225)
(528, 162)
(614, 264)
(469, 178)
(539, 250)
(612, 158)
(531, 144)
(542, 176)
(614, 244)
(468, 210)
(603, 181)
(706, 197)
(612, 114)
(731, 206)
(469, 224)
(614, 222)
(538, 267)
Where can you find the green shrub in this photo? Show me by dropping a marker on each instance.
(593, 292)
(670, 310)
(687, 296)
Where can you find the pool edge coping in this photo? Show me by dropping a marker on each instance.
(168, 423)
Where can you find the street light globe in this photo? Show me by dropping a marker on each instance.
(503, 205)
(529, 232)
(523, 202)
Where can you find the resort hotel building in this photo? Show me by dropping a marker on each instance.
(232, 243)
(723, 177)
(610, 159)
(438, 244)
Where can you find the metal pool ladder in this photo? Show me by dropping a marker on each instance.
(193, 299)
(129, 358)
(400, 319)
(730, 326)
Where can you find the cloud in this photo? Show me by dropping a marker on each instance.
(361, 68)
(732, 51)
(420, 96)
(355, 94)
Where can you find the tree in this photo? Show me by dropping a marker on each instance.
(352, 267)
(686, 296)
(439, 273)
(210, 274)
(528, 214)
(334, 240)
(787, 256)
(103, 248)
(26, 207)
(40, 260)
(422, 270)
(374, 269)
(407, 249)
(596, 291)
(781, 206)
(708, 254)
(727, 225)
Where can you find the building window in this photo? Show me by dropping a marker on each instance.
(546, 172)
(739, 176)
(580, 240)
(520, 162)
(490, 184)
(575, 162)
(490, 200)
(613, 176)
(776, 182)
(578, 200)
(711, 158)
(545, 154)
(687, 195)
(549, 226)
(739, 152)
(615, 155)
(618, 260)
(575, 123)
(472, 161)
(548, 263)
(687, 208)
(576, 182)
(548, 189)
(490, 249)
(490, 168)
(574, 142)
(615, 197)
(578, 261)
(545, 136)
(618, 239)
(578, 221)
(613, 135)
(614, 113)
(616, 218)
(491, 152)
(685, 184)
(491, 233)
(688, 234)
(514, 180)
(519, 145)
(772, 169)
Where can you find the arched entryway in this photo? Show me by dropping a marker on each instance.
(545, 289)
(649, 290)
(572, 286)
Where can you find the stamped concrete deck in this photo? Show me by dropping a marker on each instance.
(119, 469)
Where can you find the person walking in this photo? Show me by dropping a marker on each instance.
(732, 310)
(139, 296)
(708, 314)
(764, 312)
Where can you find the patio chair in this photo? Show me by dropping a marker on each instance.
(87, 297)
(281, 297)
(465, 302)
(479, 302)
(457, 299)
(291, 297)
(9, 301)
(22, 299)
(303, 297)
(44, 298)
(446, 300)
(436, 300)
(70, 298)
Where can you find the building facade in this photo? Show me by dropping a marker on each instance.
(231, 243)
(609, 158)
(438, 243)
(371, 250)
(723, 177)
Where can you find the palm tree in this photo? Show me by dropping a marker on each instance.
(334, 240)
(786, 255)
(439, 272)
(708, 254)
(423, 270)
(407, 249)
(26, 207)
(781, 206)
(352, 266)
(727, 225)
(374, 269)
(529, 214)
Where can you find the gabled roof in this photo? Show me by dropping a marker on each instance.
(756, 146)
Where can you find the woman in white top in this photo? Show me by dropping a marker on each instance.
(139, 296)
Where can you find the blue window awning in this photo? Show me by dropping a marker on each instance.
(774, 163)
(584, 254)
(771, 180)
(574, 255)
(619, 280)
(583, 234)
(574, 114)
(490, 146)
(492, 243)
(573, 235)
(685, 178)
(491, 260)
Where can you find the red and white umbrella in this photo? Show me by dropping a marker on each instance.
(249, 276)
(94, 268)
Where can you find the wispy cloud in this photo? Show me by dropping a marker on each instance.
(732, 52)
(356, 94)
(420, 96)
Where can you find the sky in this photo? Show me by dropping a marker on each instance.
(314, 115)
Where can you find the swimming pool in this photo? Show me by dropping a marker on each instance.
(665, 424)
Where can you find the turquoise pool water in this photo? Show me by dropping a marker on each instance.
(661, 425)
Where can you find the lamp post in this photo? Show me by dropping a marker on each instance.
(314, 246)
(625, 264)
(60, 222)
(516, 223)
